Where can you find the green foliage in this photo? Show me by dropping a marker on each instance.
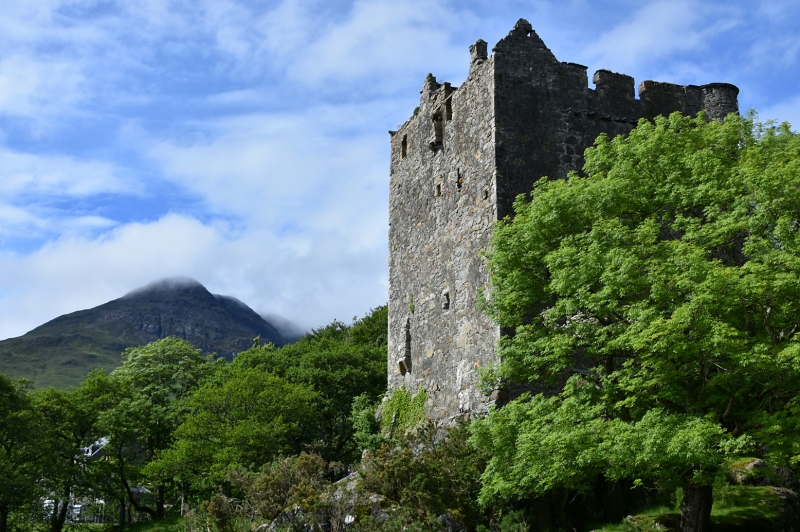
(294, 492)
(339, 362)
(427, 473)
(242, 417)
(142, 404)
(735, 508)
(365, 425)
(21, 449)
(69, 420)
(673, 272)
(403, 411)
(181, 425)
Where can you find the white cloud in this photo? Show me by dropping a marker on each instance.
(780, 50)
(292, 171)
(379, 38)
(16, 221)
(658, 30)
(784, 111)
(28, 174)
(286, 147)
(311, 288)
(34, 88)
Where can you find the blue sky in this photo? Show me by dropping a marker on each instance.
(245, 143)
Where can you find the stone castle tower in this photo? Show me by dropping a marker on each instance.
(456, 166)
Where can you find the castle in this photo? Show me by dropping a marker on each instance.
(456, 166)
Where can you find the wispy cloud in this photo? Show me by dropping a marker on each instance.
(661, 29)
(38, 88)
(784, 111)
(28, 174)
(304, 284)
(244, 143)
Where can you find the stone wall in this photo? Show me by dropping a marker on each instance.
(456, 166)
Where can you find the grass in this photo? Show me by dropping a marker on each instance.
(171, 523)
(735, 508)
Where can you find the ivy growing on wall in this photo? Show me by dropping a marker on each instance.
(403, 410)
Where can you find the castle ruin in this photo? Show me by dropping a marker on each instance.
(456, 166)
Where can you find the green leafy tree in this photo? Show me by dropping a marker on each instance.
(339, 362)
(144, 402)
(669, 279)
(69, 424)
(242, 417)
(21, 449)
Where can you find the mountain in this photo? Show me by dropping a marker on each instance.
(62, 351)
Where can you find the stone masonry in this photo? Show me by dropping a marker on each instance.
(456, 166)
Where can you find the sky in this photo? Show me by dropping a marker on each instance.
(245, 143)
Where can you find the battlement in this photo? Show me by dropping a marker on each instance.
(514, 55)
(456, 167)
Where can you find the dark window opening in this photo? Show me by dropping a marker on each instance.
(446, 300)
(448, 109)
(438, 132)
(459, 179)
(438, 189)
(486, 193)
(404, 364)
(404, 146)
(408, 338)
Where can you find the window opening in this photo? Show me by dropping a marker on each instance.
(446, 300)
(486, 193)
(404, 364)
(448, 109)
(404, 147)
(459, 179)
(438, 132)
(438, 190)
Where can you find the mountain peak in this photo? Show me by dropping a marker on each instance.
(63, 350)
(168, 284)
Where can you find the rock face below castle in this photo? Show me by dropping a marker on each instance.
(456, 166)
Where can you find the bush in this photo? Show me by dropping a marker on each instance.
(427, 473)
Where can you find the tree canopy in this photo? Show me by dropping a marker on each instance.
(667, 282)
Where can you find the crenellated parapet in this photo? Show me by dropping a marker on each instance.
(717, 99)
(456, 167)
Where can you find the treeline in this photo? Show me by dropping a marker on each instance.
(173, 427)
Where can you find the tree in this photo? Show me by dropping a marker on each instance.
(241, 417)
(668, 279)
(339, 362)
(21, 450)
(144, 402)
(68, 423)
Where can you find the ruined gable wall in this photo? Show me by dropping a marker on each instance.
(547, 115)
(441, 208)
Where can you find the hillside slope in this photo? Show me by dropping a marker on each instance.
(62, 351)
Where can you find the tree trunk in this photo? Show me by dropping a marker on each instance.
(60, 512)
(184, 500)
(696, 507)
(159, 502)
(59, 515)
